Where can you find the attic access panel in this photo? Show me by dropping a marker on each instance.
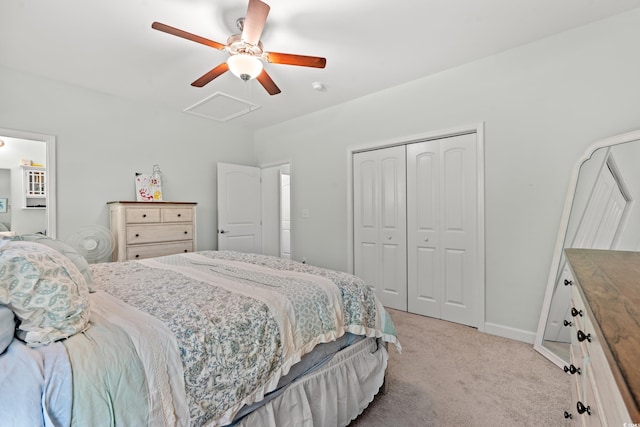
(221, 107)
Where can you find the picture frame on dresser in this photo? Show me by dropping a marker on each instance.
(150, 229)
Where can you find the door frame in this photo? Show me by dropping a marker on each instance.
(478, 129)
(277, 164)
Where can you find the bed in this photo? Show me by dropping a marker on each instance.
(208, 338)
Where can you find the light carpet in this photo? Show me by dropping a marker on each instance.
(452, 375)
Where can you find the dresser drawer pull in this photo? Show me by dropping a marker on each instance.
(137, 235)
(568, 282)
(575, 312)
(567, 323)
(186, 232)
(137, 256)
(144, 215)
(179, 215)
(582, 336)
(582, 409)
(568, 415)
(571, 369)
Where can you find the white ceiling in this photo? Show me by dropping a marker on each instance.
(370, 45)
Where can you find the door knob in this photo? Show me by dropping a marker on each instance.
(222, 231)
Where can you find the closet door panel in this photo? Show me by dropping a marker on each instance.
(424, 297)
(380, 223)
(454, 279)
(366, 236)
(393, 230)
(459, 231)
(423, 234)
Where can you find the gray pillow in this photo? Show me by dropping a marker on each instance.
(66, 250)
(7, 327)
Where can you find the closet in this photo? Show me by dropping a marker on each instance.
(416, 226)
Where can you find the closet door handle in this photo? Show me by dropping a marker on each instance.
(575, 312)
(568, 282)
(567, 323)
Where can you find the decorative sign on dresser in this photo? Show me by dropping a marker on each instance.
(150, 229)
(605, 340)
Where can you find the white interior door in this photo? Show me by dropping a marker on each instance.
(380, 223)
(442, 228)
(285, 215)
(239, 208)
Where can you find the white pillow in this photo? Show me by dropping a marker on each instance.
(64, 249)
(45, 290)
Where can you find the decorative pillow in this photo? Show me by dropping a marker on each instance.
(7, 327)
(45, 290)
(65, 250)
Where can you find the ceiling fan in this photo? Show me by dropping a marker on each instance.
(245, 50)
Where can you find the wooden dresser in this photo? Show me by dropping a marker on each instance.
(150, 229)
(605, 343)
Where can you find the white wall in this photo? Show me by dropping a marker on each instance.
(102, 141)
(542, 104)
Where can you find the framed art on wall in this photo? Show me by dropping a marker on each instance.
(4, 204)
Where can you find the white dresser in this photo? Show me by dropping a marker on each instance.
(150, 229)
(605, 343)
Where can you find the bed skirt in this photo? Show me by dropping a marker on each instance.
(333, 395)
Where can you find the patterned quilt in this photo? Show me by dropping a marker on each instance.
(242, 320)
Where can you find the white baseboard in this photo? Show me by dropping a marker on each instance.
(509, 332)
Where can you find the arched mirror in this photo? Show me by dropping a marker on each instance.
(26, 214)
(601, 212)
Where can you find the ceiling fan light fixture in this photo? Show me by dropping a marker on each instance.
(245, 66)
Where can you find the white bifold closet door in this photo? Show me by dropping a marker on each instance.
(415, 226)
(442, 228)
(380, 233)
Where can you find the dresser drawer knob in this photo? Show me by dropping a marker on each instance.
(568, 282)
(575, 312)
(186, 232)
(567, 323)
(144, 215)
(137, 235)
(568, 415)
(571, 369)
(179, 215)
(582, 409)
(137, 256)
(582, 336)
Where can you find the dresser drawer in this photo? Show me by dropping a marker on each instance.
(149, 251)
(142, 215)
(177, 215)
(152, 233)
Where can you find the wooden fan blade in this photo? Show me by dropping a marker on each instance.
(185, 35)
(300, 60)
(265, 80)
(220, 69)
(254, 21)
